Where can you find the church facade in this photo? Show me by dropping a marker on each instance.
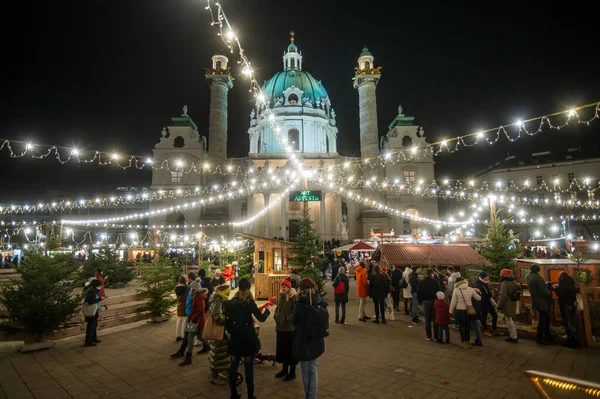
(304, 114)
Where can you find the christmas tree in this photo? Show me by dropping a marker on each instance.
(305, 242)
(500, 248)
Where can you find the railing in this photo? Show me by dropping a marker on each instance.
(542, 380)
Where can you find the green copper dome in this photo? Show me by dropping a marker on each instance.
(312, 88)
(365, 51)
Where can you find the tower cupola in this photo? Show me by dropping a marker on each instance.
(292, 59)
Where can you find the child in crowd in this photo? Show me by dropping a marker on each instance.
(442, 316)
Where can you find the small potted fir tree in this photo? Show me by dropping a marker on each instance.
(158, 287)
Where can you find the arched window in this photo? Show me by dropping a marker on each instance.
(326, 143)
(244, 210)
(218, 64)
(293, 63)
(344, 211)
(406, 141)
(294, 139)
(293, 99)
(178, 142)
(367, 65)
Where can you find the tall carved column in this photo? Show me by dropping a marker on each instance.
(266, 215)
(219, 78)
(365, 80)
(338, 215)
(284, 217)
(322, 216)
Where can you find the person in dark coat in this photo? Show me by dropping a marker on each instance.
(396, 275)
(243, 341)
(566, 290)
(91, 296)
(342, 298)
(284, 326)
(307, 350)
(487, 305)
(426, 294)
(334, 268)
(540, 301)
(378, 290)
(181, 294)
(218, 278)
(413, 282)
(206, 282)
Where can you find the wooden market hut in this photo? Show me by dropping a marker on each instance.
(271, 261)
(550, 269)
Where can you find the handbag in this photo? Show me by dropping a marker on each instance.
(578, 303)
(403, 282)
(190, 328)
(470, 309)
(212, 330)
(89, 310)
(340, 288)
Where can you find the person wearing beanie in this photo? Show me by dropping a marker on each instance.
(309, 339)
(191, 278)
(91, 311)
(488, 305)
(362, 290)
(540, 301)
(197, 317)
(243, 342)
(442, 317)
(218, 359)
(218, 278)
(341, 287)
(507, 303)
(284, 328)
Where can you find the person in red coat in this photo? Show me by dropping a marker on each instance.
(228, 274)
(198, 317)
(102, 278)
(442, 316)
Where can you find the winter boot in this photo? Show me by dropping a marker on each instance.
(177, 354)
(343, 320)
(291, 375)
(337, 320)
(188, 359)
(284, 372)
(271, 358)
(376, 321)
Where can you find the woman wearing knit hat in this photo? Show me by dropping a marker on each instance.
(285, 330)
(341, 286)
(507, 304)
(218, 359)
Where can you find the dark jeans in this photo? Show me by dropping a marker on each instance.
(565, 315)
(543, 329)
(429, 319)
(407, 308)
(249, 371)
(462, 319)
(487, 308)
(441, 329)
(379, 308)
(90, 330)
(337, 310)
(186, 338)
(396, 297)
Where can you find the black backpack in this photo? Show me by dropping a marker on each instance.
(517, 294)
(317, 321)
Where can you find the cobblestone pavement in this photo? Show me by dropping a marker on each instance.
(361, 360)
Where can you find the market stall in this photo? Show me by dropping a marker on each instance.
(271, 267)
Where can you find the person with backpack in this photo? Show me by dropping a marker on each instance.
(341, 286)
(566, 290)
(197, 318)
(91, 310)
(378, 290)
(311, 326)
(243, 339)
(396, 277)
(284, 327)
(507, 303)
(188, 310)
(406, 290)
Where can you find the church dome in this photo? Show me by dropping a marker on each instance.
(312, 88)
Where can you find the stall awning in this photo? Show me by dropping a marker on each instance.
(355, 246)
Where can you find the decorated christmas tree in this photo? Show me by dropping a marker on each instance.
(500, 248)
(305, 243)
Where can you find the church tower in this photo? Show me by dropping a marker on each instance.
(220, 81)
(365, 80)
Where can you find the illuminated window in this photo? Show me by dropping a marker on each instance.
(293, 63)
(294, 139)
(277, 259)
(218, 64)
(244, 210)
(409, 175)
(571, 176)
(539, 180)
(367, 65)
(176, 176)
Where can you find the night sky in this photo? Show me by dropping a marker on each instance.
(109, 74)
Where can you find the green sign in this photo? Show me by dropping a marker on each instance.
(305, 195)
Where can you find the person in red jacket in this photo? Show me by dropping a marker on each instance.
(228, 274)
(198, 317)
(442, 316)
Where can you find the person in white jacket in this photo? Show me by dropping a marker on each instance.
(458, 306)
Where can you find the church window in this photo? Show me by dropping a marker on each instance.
(344, 211)
(293, 63)
(571, 176)
(176, 176)
(409, 175)
(293, 99)
(218, 65)
(406, 141)
(178, 142)
(539, 180)
(327, 144)
(244, 210)
(367, 65)
(294, 139)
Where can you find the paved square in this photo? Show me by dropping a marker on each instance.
(361, 360)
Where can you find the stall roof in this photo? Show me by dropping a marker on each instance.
(427, 254)
(355, 246)
(253, 237)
